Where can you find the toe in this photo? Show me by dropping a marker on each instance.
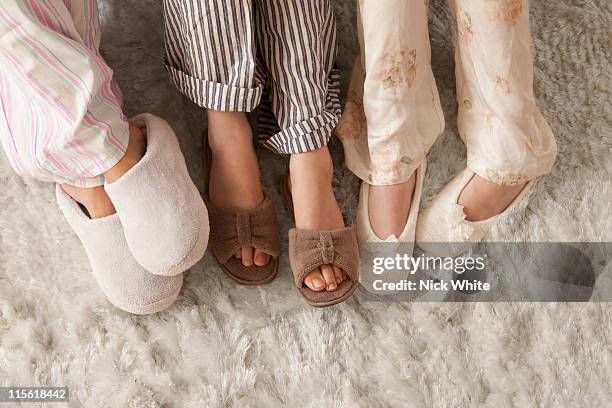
(261, 258)
(238, 253)
(338, 275)
(315, 281)
(330, 279)
(247, 256)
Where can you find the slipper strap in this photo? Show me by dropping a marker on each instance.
(257, 228)
(308, 250)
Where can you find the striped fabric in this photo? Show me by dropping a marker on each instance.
(61, 118)
(235, 55)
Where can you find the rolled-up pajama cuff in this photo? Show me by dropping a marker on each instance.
(215, 95)
(306, 136)
(310, 134)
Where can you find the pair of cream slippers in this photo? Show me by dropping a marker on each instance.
(159, 231)
(441, 229)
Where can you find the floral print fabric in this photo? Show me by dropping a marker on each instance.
(393, 114)
(397, 70)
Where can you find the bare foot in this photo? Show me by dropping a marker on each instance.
(483, 199)
(389, 207)
(95, 200)
(234, 180)
(316, 208)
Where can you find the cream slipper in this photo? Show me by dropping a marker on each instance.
(363, 226)
(373, 247)
(163, 215)
(123, 280)
(442, 229)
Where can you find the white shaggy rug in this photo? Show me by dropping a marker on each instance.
(226, 345)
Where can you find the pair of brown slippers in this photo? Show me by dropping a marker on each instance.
(308, 250)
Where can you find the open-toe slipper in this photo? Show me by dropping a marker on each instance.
(309, 250)
(257, 228)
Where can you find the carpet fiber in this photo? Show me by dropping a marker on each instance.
(225, 345)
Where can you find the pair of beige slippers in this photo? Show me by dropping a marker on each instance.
(441, 229)
(160, 228)
(308, 249)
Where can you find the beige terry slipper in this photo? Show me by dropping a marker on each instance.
(309, 250)
(257, 228)
(126, 284)
(163, 215)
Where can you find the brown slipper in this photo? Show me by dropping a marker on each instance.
(257, 228)
(309, 250)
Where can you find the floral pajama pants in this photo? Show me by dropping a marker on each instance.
(61, 117)
(393, 114)
(236, 55)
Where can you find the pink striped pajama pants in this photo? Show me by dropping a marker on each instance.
(61, 116)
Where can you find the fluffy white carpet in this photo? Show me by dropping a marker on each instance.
(227, 345)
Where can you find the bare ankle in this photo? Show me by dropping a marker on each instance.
(224, 118)
(315, 165)
(234, 179)
(228, 129)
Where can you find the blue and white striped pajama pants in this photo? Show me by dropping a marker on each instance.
(236, 55)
